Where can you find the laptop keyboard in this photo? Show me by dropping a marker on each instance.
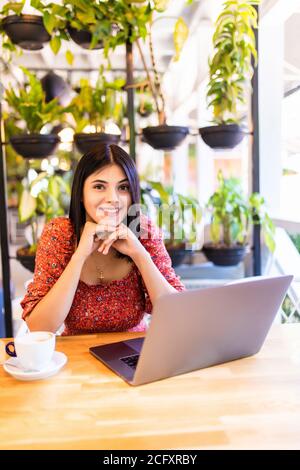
(131, 361)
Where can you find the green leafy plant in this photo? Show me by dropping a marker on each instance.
(56, 17)
(96, 105)
(29, 105)
(128, 20)
(230, 68)
(113, 22)
(47, 195)
(178, 216)
(232, 215)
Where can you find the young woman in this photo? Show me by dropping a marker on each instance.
(103, 267)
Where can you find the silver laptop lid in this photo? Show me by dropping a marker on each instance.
(195, 329)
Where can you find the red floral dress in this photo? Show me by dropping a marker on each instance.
(115, 306)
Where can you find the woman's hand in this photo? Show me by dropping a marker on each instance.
(123, 240)
(90, 238)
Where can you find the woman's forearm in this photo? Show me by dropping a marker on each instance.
(155, 282)
(50, 313)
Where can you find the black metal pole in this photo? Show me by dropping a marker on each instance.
(255, 159)
(4, 235)
(130, 98)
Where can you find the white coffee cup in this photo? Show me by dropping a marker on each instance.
(34, 350)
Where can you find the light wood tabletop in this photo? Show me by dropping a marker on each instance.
(251, 403)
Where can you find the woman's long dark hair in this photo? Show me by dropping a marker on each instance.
(101, 156)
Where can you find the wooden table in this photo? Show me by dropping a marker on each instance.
(250, 403)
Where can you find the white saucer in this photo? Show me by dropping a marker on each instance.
(13, 367)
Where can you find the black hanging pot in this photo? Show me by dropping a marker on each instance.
(27, 31)
(225, 136)
(177, 256)
(83, 38)
(86, 142)
(225, 256)
(165, 137)
(34, 145)
(177, 252)
(27, 260)
(55, 87)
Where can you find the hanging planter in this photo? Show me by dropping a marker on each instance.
(83, 38)
(165, 137)
(225, 256)
(34, 145)
(224, 136)
(86, 142)
(29, 105)
(25, 258)
(231, 69)
(178, 254)
(55, 86)
(26, 31)
(94, 109)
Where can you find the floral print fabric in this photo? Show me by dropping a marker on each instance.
(115, 306)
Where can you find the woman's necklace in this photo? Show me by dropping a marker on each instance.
(100, 276)
(99, 269)
(100, 272)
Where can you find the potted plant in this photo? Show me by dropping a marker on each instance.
(118, 22)
(178, 216)
(232, 215)
(95, 25)
(29, 105)
(16, 165)
(47, 196)
(82, 21)
(163, 136)
(114, 23)
(95, 107)
(18, 29)
(230, 72)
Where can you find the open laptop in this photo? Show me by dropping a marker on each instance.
(200, 328)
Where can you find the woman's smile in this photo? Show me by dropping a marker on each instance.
(109, 211)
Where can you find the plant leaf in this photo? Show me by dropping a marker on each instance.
(49, 22)
(180, 35)
(27, 206)
(55, 44)
(69, 57)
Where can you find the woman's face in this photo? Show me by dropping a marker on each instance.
(107, 193)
